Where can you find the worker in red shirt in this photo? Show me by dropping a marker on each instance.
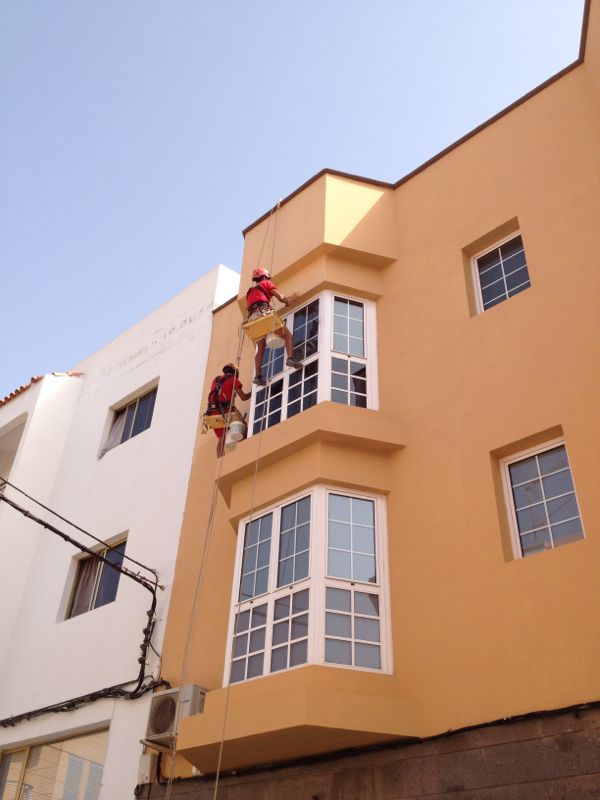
(221, 400)
(258, 301)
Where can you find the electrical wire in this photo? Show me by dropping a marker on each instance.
(118, 690)
(5, 482)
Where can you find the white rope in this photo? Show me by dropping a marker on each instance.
(205, 554)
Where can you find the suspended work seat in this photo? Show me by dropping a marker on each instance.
(258, 328)
(215, 421)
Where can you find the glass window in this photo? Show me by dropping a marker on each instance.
(348, 327)
(256, 557)
(96, 582)
(330, 339)
(352, 630)
(296, 584)
(69, 769)
(351, 539)
(543, 498)
(294, 541)
(502, 273)
(130, 420)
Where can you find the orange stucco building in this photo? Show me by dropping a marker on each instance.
(408, 541)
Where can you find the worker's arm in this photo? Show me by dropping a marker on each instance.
(283, 299)
(244, 395)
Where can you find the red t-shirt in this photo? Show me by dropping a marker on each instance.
(262, 292)
(227, 386)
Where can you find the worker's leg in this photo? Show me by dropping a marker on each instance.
(285, 334)
(260, 349)
(220, 434)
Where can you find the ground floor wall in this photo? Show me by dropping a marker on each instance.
(543, 757)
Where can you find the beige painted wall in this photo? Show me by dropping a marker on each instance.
(477, 634)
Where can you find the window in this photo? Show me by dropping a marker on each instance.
(542, 501)
(96, 583)
(500, 273)
(335, 339)
(310, 587)
(130, 420)
(69, 770)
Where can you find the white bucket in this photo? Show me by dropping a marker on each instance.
(235, 432)
(274, 342)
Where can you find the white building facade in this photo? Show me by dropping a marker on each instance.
(109, 447)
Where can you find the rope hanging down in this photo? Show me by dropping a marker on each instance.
(205, 552)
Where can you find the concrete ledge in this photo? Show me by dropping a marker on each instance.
(361, 431)
(303, 712)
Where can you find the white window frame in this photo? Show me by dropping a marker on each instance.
(316, 581)
(505, 463)
(475, 270)
(326, 352)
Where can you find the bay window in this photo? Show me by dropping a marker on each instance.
(335, 338)
(310, 586)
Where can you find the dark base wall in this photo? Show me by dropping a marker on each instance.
(543, 758)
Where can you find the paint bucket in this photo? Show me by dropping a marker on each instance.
(236, 432)
(274, 342)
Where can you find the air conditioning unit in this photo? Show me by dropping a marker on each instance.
(166, 707)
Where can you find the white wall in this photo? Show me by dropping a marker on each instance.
(139, 487)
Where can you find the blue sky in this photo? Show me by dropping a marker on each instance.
(139, 137)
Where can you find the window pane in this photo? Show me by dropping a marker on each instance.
(528, 494)
(339, 507)
(366, 604)
(518, 278)
(109, 578)
(259, 616)
(262, 578)
(303, 510)
(367, 655)
(363, 540)
(129, 415)
(559, 483)
(298, 653)
(532, 517)
(143, 414)
(338, 599)
(563, 508)
(536, 542)
(511, 247)
(339, 365)
(338, 652)
(338, 625)
(566, 532)
(301, 566)
(300, 601)
(286, 546)
(524, 470)
(279, 659)
(257, 640)
(553, 460)
(299, 627)
(238, 669)
(362, 512)
(242, 621)
(255, 665)
(366, 629)
(87, 570)
(282, 607)
(363, 568)
(339, 535)
(302, 537)
(339, 564)
(240, 645)
(285, 573)
(339, 397)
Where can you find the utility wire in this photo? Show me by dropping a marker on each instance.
(4, 482)
(119, 690)
(143, 581)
